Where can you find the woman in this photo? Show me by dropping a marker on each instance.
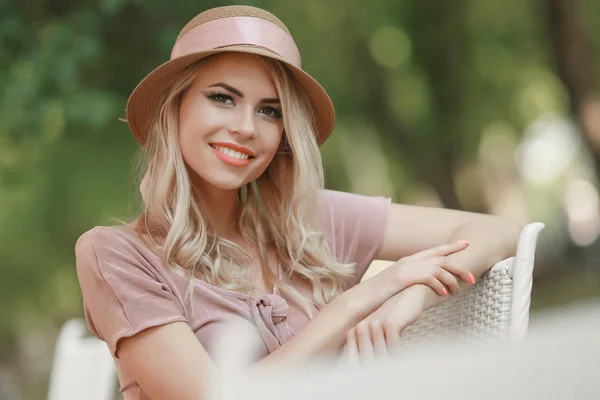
(237, 225)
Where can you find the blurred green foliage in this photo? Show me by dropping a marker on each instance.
(415, 83)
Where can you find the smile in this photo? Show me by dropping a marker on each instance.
(232, 157)
(231, 152)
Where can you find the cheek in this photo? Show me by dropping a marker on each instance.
(272, 136)
(186, 124)
(188, 144)
(193, 148)
(186, 115)
(271, 146)
(195, 124)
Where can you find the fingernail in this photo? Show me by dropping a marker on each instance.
(444, 291)
(471, 278)
(464, 242)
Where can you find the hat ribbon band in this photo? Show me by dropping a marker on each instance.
(235, 31)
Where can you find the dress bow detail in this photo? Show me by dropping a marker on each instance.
(270, 313)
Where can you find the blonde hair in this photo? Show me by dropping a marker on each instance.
(278, 211)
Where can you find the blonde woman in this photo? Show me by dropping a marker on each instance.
(237, 225)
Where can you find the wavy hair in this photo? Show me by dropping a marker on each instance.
(278, 211)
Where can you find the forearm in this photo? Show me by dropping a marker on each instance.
(326, 333)
(492, 239)
(323, 335)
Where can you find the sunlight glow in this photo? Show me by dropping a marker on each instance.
(582, 208)
(550, 146)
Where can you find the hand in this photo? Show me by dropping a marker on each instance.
(378, 335)
(432, 268)
(380, 332)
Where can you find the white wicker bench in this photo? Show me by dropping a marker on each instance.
(83, 367)
(496, 307)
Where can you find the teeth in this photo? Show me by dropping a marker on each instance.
(232, 153)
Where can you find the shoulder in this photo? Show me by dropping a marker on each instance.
(101, 236)
(351, 218)
(110, 259)
(334, 202)
(355, 226)
(113, 246)
(125, 287)
(333, 196)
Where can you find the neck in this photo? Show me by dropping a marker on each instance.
(222, 207)
(223, 210)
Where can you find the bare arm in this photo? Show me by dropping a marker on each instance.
(326, 332)
(169, 362)
(411, 229)
(492, 239)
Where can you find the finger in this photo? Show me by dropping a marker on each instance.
(392, 337)
(449, 280)
(352, 356)
(464, 275)
(443, 250)
(433, 282)
(378, 337)
(366, 352)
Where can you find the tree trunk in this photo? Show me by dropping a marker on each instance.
(575, 67)
(442, 58)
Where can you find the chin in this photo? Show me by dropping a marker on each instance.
(226, 179)
(226, 183)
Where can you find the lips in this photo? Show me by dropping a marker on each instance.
(235, 155)
(234, 147)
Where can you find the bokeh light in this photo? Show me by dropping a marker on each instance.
(390, 46)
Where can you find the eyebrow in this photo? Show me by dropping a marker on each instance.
(271, 100)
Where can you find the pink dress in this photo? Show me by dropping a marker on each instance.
(126, 288)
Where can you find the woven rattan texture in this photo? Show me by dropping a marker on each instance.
(231, 11)
(481, 313)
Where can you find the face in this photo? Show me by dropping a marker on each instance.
(230, 122)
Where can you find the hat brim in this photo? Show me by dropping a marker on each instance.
(144, 102)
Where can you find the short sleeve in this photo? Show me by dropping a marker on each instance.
(356, 227)
(123, 293)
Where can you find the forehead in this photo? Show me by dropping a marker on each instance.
(235, 69)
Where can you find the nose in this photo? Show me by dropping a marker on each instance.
(244, 124)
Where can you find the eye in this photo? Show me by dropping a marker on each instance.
(270, 111)
(221, 98)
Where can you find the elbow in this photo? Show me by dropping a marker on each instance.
(501, 232)
(509, 232)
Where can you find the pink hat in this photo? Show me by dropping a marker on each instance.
(225, 29)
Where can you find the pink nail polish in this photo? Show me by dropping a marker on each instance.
(464, 242)
(444, 291)
(471, 278)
